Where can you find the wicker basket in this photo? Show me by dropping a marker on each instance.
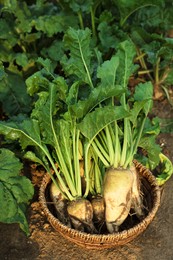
(151, 193)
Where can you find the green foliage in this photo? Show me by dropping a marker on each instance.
(166, 169)
(15, 191)
(64, 74)
(13, 93)
(126, 8)
(80, 56)
(27, 33)
(166, 125)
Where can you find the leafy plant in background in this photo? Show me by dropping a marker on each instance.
(151, 31)
(15, 190)
(27, 33)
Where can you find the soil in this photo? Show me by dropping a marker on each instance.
(46, 243)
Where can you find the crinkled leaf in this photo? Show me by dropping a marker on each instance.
(11, 212)
(148, 143)
(53, 24)
(73, 94)
(166, 169)
(95, 121)
(126, 68)
(15, 190)
(36, 82)
(20, 187)
(21, 59)
(137, 107)
(107, 72)
(107, 88)
(27, 132)
(144, 92)
(166, 125)
(32, 157)
(80, 6)
(126, 8)
(10, 166)
(62, 88)
(97, 95)
(110, 36)
(13, 95)
(45, 108)
(65, 140)
(152, 127)
(78, 43)
(47, 64)
(5, 29)
(55, 51)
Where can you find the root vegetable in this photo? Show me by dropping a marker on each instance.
(81, 215)
(137, 203)
(98, 209)
(82, 175)
(60, 204)
(117, 190)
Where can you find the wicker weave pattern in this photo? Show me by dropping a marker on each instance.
(99, 241)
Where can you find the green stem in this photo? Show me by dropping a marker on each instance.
(77, 166)
(80, 20)
(124, 149)
(139, 136)
(93, 21)
(64, 189)
(129, 156)
(122, 21)
(117, 147)
(65, 192)
(157, 72)
(143, 64)
(110, 145)
(97, 173)
(143, 72)
(85, 65)
(60, 156)
(92, 179)
(100, 155)
(87, 177)
(102, 141)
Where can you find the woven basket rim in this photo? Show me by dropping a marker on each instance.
(103, 240)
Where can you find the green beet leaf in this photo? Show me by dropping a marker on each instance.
(15, 190)
(126, 8)
(166, 169)
(78, 42)
(13, 95)
(106, 88)
(98, 119)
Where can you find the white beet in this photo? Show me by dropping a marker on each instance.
(60, 204)
(98, 209)
(80, 212)
(117, 190)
